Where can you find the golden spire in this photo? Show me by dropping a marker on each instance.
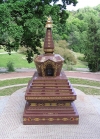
(49, 22)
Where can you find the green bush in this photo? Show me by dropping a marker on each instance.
(81, 58)
(22, 50)
(68, 55)
(10, 66)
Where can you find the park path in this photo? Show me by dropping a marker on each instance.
(74, 74)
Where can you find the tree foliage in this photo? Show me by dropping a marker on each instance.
(22, 22)
(92, 51)
(77, 26)
(83, 30)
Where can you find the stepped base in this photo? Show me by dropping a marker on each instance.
(49, 88)
(49, 100)
(47, 115)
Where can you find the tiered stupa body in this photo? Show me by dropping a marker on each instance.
(49, 95)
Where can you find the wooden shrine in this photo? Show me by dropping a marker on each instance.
(49, 95)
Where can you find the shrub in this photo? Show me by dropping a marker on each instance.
(22, 50)
(69, 67)
(81, 58)
(10, 66)
(62, 43)
(67, 54)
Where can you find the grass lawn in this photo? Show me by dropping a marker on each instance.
(2, 51)
(19, 60)
(9, 91)
(14, 81)
(88, 90)
(84, 82)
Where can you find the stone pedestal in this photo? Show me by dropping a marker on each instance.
(49, 100)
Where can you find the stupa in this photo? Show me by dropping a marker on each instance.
(49, 94)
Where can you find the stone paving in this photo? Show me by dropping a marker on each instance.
(11, 126)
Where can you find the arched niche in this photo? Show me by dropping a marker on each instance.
(49, 71)
(49, 68)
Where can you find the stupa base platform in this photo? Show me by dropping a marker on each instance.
(48, 115)
(49, 88)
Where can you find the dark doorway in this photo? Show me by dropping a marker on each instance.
(49, 70)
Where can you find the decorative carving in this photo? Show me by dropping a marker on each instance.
(24, 119)
(50, 98)
(72, 119)
(43, 67)
(36, 119)
(49, 50)
(50, 104)
(51, 119)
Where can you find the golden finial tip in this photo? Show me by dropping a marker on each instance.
(49, 22)
(49, 19)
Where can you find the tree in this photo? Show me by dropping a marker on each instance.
(77, 26)
(22, 22)
(76, 30)
(92, 53)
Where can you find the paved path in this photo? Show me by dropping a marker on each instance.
(84, 75)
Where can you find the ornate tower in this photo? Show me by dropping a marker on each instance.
(49, 95)
(49, 64)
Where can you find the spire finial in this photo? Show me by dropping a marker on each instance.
(49, 22)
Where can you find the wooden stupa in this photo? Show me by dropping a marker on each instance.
(49, 95)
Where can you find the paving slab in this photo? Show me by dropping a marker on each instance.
(96, 102)
(3, 102)
(11, 126)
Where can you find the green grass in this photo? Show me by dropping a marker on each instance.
(2, 51)
(19, 60)
(88, 90)
(14, 81)
(84, 82)
(9, 91)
